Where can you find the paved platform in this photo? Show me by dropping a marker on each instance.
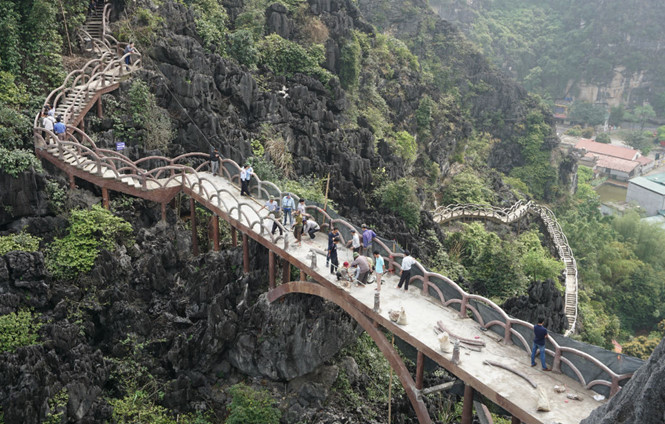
(423, 313)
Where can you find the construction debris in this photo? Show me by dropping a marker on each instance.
(474, 342)
(444, 343)
(543, 401)
(514, 371)
(398, 316)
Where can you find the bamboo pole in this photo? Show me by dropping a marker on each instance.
(325, 204)
(64, 20)
(390, 387)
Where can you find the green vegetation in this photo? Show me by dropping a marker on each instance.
(587, 113)
(285, 57)
(350, 59)
(23, 241)
(400, 197)
(619, 265)
(603, 138)
(211, 22)
(641, 140)
(250, 406)
(373, 388)
(57, 407)
(89, 232)
(547, 45)
(18, 329)
(16, 161)
(537, 174)
(467, 187)
(141, 105)
(494, 267)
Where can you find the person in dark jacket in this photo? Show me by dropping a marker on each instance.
(332, 253)
(540, 335)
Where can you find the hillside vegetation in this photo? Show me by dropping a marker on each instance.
(551, 47)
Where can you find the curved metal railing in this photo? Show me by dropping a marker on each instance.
(516, 212)
(189, 171)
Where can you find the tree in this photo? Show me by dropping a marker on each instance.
(643, 114)
(640, 140)
(616, 115)
(603, 138)
(587, 113)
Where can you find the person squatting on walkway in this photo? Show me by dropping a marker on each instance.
(287, 207)
(331, 236)
(378, 268)
(245, 177)
(332, 254)
(310, 227)
(273, 209)
(363, 268)
(405, 274)
(214, 162)
(368, 237)
(540, 335)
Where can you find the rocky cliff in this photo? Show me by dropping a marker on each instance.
(189, 322)
(641, 400)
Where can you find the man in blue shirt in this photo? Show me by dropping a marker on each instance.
(368, 236)
(59, 128)
(540, 334)
(287, 205)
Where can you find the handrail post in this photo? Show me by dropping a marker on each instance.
(192, 214)
(507, 337)
(556, 364)
(462, 308)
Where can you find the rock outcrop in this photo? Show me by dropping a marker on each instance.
(641, 400)
(543, 300)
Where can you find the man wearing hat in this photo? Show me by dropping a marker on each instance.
(363, 267)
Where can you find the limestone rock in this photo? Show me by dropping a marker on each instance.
(641, 399)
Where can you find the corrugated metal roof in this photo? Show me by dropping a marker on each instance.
(650, 183)
(607, 149)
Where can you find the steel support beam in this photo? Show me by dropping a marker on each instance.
(100, 115)
(215, 233)
(515, 420)
(192, 218)
(164, 212)
(234, 237)
(467, 407)
(271, 269)
(245, 253)
(105, 198)
(286, 271)
(303, 275)
(72, 183)
(377, 335)
(420, 366)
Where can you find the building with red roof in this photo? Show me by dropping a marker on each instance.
(619, 162)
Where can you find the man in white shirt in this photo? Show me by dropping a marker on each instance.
(405, 274)
(245, 176)
(273, 209)
(310, 227)
(47, 123)
(301, 207)
(354, 242)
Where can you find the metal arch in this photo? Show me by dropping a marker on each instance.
(379, 338)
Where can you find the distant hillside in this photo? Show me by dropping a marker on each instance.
(597, 50)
